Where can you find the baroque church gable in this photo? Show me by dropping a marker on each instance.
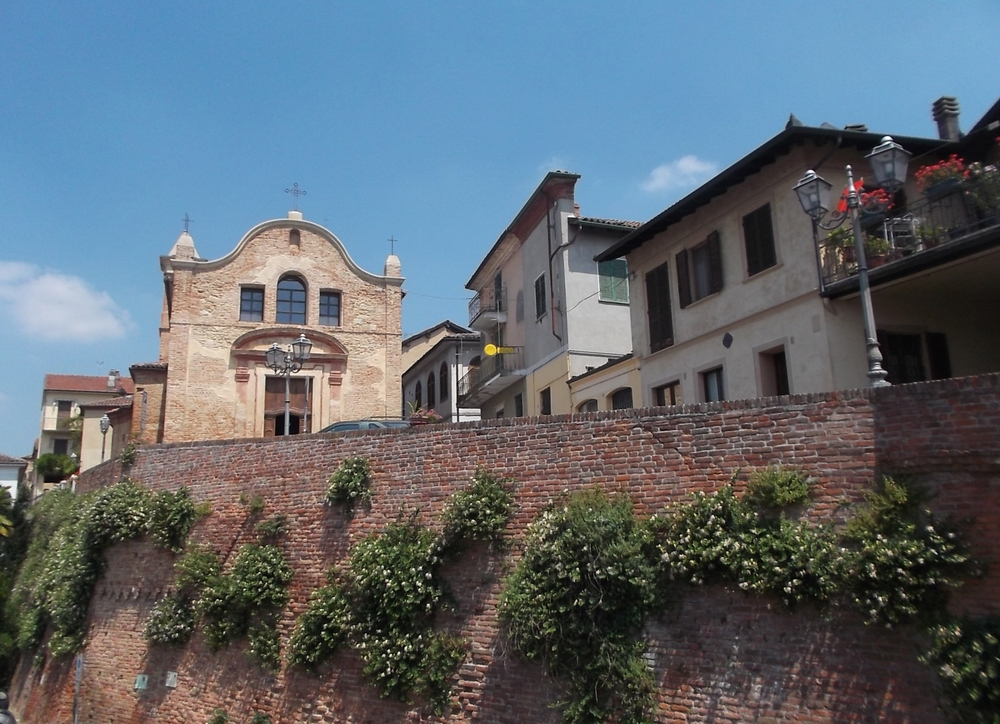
(285, 278)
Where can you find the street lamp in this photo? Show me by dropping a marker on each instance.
(888, 161)
(285, 363)
(105, 424)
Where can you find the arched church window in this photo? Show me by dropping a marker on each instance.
(291, 305)
(444, 381)
(418, 399)
(430, 390)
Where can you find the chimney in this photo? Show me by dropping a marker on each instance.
(112, 380)
(945, 112)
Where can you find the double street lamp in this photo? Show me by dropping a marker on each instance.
(888, 161)
(286, 362)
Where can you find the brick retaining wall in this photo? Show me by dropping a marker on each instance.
(719, 655)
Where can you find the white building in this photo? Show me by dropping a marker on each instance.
(547, 310)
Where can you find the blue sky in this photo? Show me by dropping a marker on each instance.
(428, 122)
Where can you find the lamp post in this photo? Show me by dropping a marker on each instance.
(888, 161)
(105, 424)
(285, 362)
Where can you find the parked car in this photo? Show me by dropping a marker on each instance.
(348, 425)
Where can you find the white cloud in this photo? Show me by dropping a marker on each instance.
(55, 306)
(685, 172)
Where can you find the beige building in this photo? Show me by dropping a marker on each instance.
(735, 299)
(285, 277)
(546, 309)
(434, 360)
(65, 399)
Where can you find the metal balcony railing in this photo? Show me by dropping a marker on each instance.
(490, 369)
(487, 300)
(937, 220)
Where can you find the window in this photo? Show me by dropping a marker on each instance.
(699, 270)
(903, 357)
(430, 390)
(518, 405)
(540, 300)
(294, 237)
(444, 381)
(498, 414)
(758, 235)
(613, 275)
(329, 309)
(587, 406)
(251, 304)
(621, 399)
(418, 396)
(712, 385)
(291, 306)
(545, 402)
(60, 446)
(64, 411)
(661, 325)
(668, 395)
(774, 373)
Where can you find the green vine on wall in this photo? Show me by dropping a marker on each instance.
(350, 484)
(66, 557)
(383, 603)
(587, 580)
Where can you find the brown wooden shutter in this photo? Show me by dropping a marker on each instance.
(661, 326)
(715, 261)
(683, 278)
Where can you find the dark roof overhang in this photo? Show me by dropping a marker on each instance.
(752, 163)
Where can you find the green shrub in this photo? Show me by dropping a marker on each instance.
(247, 600)
(171, 517)
(777, 487)
(171, 621)
(323, 628)
(966, 655)
(350, 483)
(900, 559)
(219, 716)
(481, 510)
(274, 527)
(578, 601)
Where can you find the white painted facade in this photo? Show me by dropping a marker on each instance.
(573, 329)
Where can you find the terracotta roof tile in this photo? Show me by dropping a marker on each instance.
(86, 383)
(112, 403)
(11, 460)
(148, 366)
(609, 222)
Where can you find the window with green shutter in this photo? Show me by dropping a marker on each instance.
(614, 281)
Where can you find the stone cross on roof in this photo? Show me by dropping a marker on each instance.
(295, 191)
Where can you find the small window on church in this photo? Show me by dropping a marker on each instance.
(291, 305)
(251, 304)
(329, 309)
(294, 237)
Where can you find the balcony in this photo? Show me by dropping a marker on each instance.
(960, 221)
(492, 376)
(488, 309)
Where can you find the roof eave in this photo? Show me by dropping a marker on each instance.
(762, 156)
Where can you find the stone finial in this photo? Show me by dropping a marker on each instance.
(393, 268)
(945, 113)
(184, 247)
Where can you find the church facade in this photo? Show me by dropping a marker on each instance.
(285, 278)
